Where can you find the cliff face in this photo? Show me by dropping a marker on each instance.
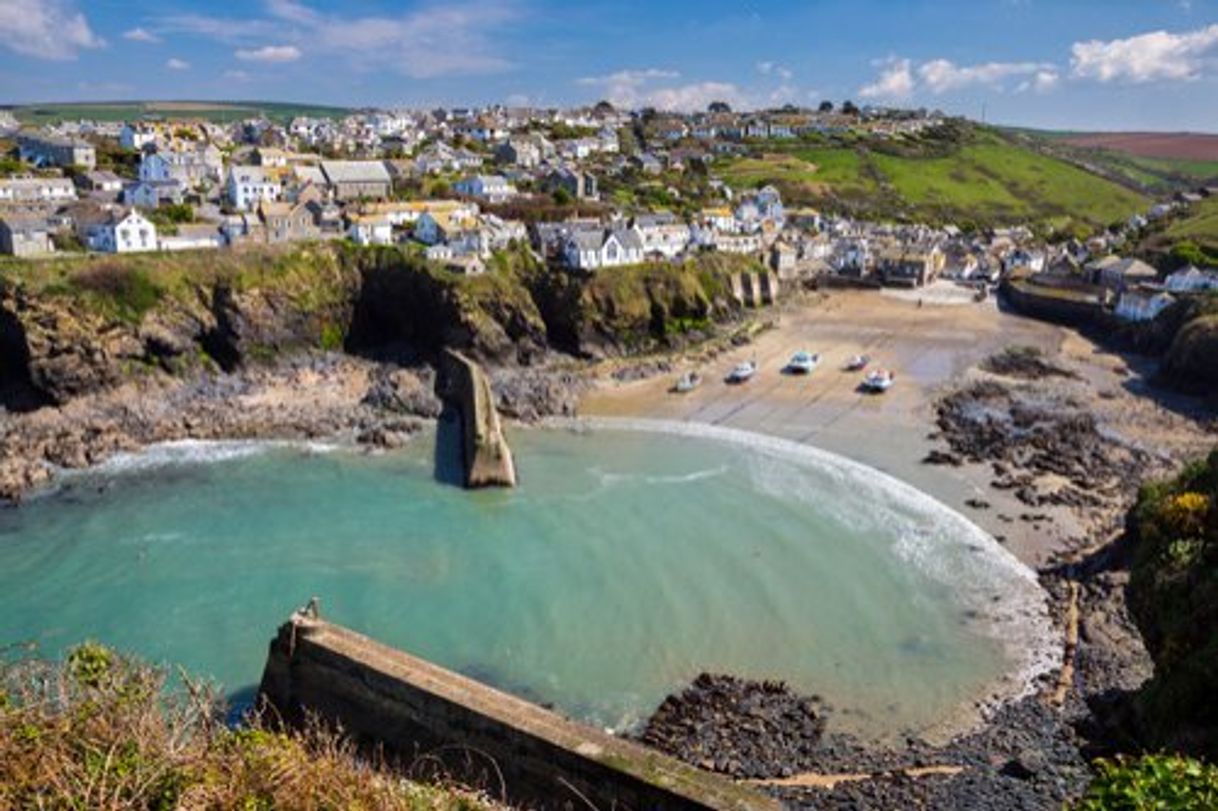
(1173, 594)
(71, 327)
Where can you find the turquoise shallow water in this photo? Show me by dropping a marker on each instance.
(627, 562)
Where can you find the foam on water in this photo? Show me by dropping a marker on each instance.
(199, 452)
(985, 577)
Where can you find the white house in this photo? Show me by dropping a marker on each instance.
(193, 237)
(136, 136)
(1140, 305)
(1191, 280)
(370, 231)
(491, 188)
(122, 232)
(250, 185)
(662, 234)
(587, 249)
(190, 167)
(37, 190)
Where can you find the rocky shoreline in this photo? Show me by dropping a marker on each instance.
(305, 397)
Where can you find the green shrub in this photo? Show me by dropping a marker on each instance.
(1152, 783)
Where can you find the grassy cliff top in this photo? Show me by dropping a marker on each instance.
(959, 174)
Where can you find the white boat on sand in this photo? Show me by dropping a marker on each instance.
(879, 381)
(803, 363)
(858, 363)
(687, 382)
(742, 372)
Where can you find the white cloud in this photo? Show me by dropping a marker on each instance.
(269, 53)
(236, 76)
(140, 35)
(432, 40)
(895, 82)
(1158, 55)
(1043, 82)
(942, 76)
(177, 64)
(774, 69)
(46, 29)
(636, 89)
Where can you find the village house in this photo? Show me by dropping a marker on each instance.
(193, 237)
(579, 185)
(136, 136)
(55, 150)
(270, 157)
(525, 151)
(748, 243)
(153, 193)
(490, 188)
(25, 235)
(1119, 275)
(1143, 304)
(1192, 280)
(192, 166)
(587, 249)
(242, 229)
(444, 226)
(357, 180)
(369, 230)
(118, 231)
(440, 157)
(37, 190)
(287, 222)
(910, 266)
(662, 234)
(250, 185)
(409, 212)
(783, 259)
(100, 180)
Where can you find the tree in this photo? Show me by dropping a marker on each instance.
(849, 109)
(719, 107)
(562, 197)
(603, 107)
(826, 107)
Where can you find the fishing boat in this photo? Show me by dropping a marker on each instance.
(742, 372)
(858, 363)
(687, 383)
(802, 363)
(879, 381)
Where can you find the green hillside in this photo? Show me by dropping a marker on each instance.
(218, 111)
(1199, 225)
(958, 174)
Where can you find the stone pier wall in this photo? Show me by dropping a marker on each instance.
(487, 457)
(513, 749)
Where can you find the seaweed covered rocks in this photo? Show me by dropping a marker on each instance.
(742, 728)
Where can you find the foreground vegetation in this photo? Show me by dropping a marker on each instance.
(958, 174)
(102, 731)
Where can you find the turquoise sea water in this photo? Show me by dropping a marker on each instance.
(627, 562)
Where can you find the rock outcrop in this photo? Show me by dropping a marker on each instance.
(487, 457)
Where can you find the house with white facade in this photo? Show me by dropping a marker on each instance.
(193, 237)
(592, 249)
(190, 167)
(491, 188)
(37, 190)
(25, 235)
(153, 193)
(122, 232)
(250, 185)
(1143, 305)
(370, 230)
(136, 136)
(1192, 280)
(663, 234)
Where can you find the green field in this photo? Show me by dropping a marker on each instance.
(1199, 225)
(980, 178)
(217, 111)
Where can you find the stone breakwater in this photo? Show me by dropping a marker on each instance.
(488, 459)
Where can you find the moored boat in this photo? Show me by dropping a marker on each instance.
(687, 382)
(803, 363)
(879, 381)
(742, 372)
(858, 363)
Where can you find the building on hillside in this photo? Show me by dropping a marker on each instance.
(288, 222)
(369, 230)
(1119, 275)
(662, 234)
(54, 150)
(25, 235)
(490, 188)
(196, 165)
(357, 180)
(579, 185)
(588, 249)
(250, 185)
(193, 237)
(119, 231)
(1142, 304)
(1192, 280)
(909, 265)
(153, 193)
(100, 180)
(136, 136)
(37, 190)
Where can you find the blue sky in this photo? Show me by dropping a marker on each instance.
(1119, 64)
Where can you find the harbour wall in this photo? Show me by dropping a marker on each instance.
(513, 749)
(486, 455)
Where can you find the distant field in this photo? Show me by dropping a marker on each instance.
(987, 180)
(218, 111)
(1199, 226)
(1185, 146)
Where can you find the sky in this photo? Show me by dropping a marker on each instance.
(1064, 64)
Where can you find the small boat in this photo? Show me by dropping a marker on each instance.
(858, 363)
(802, 363)
(742, 372)
(879, 381)
(687, 383)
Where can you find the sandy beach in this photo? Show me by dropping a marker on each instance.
(932, 346)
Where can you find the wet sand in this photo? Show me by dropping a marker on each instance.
(931, 348)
